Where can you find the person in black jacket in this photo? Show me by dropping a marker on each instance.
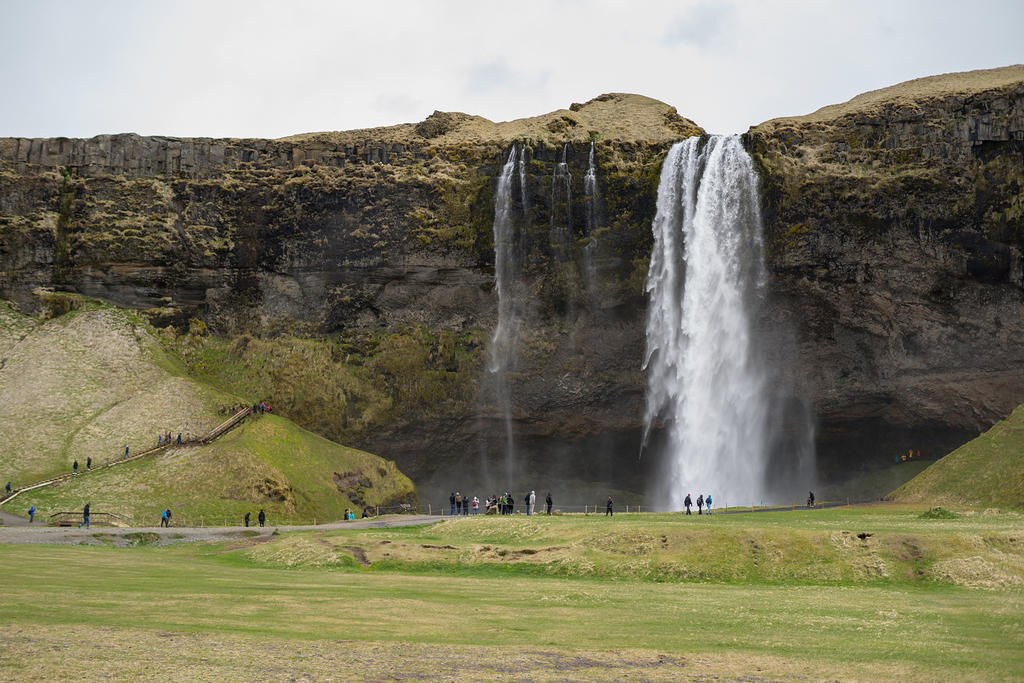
(687, 503)
(548, 501)
(262, 517)
(608, 507)
(700, 504)
(247, 515)
(85, 517)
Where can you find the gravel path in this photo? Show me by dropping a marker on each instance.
(26, 533)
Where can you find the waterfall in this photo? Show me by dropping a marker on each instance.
(506, 333)
(561, 203)
(708, 382)
(522, 179)
(590, 250)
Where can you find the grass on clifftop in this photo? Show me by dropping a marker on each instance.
(267, 462)
(988, 470)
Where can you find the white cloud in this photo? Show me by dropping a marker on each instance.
(247, 68)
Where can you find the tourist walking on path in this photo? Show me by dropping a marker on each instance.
(126, 451)
(810, 499)
(262, 517)
(179, 438)
(451, 501)
(74, 467)
(85, 517)
(8, 487)
(700, 504)
(247, 514)
(687, 503)
(608, 507)
(168, 517)
(163, 518)
(548, 501)
(31, 514)
(88, 463)
(707, 502)
(533, 503)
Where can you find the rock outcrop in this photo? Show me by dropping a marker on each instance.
(896, 231)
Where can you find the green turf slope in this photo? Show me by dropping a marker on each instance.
(268, 462)
(988, 470)
(85, 383)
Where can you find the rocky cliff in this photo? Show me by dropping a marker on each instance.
(896, 225)
(350, 275)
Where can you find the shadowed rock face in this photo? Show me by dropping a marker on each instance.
(896, 232)
(894, 227)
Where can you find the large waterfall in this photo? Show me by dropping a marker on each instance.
(708, 382)
(506, 333)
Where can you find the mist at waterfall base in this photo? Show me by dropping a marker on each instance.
(720, 418)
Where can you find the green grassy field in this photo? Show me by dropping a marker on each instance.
(267, 462)
(988, 470)
(254, 610)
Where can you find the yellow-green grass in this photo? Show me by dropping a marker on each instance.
(883, 545)
(267, 462)
(988, 470)
(65, 609)
(87, 383)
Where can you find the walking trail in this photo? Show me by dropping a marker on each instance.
(38, 533)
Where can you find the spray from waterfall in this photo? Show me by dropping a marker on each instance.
(708, 381)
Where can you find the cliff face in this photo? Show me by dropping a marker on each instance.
(896, 225)
(349, 276)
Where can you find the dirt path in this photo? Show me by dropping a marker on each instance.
(26, 533)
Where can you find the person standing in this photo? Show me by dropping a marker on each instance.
(810, 499)
(74, 467)
(700, 504)
(31, 514)
(88, 463)
(8, 487)
(262, 517)
(451, 501)
(476, 505)
(126, 451)
(533, 501)
(511, 503)
(179, 438)
(465, 506)
(85, 517)
(687, 503)
(247, 515)
(168, 525)
(163, 518)
(608, 507)
(707, 502)
(548, 502)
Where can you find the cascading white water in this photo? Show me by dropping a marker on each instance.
(590, 250)
(561, 207)
(706, 380)
(506, 333)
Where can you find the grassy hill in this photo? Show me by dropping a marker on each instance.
(94, 378)
(988, 470)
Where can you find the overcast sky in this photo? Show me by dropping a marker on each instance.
(267, 69)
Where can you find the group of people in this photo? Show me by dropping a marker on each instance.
(702, 503)
(74, 466)
(461, 505)
(261, 518)
(165, 518)
(499, 504)
(260, 408)
(162, 439)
